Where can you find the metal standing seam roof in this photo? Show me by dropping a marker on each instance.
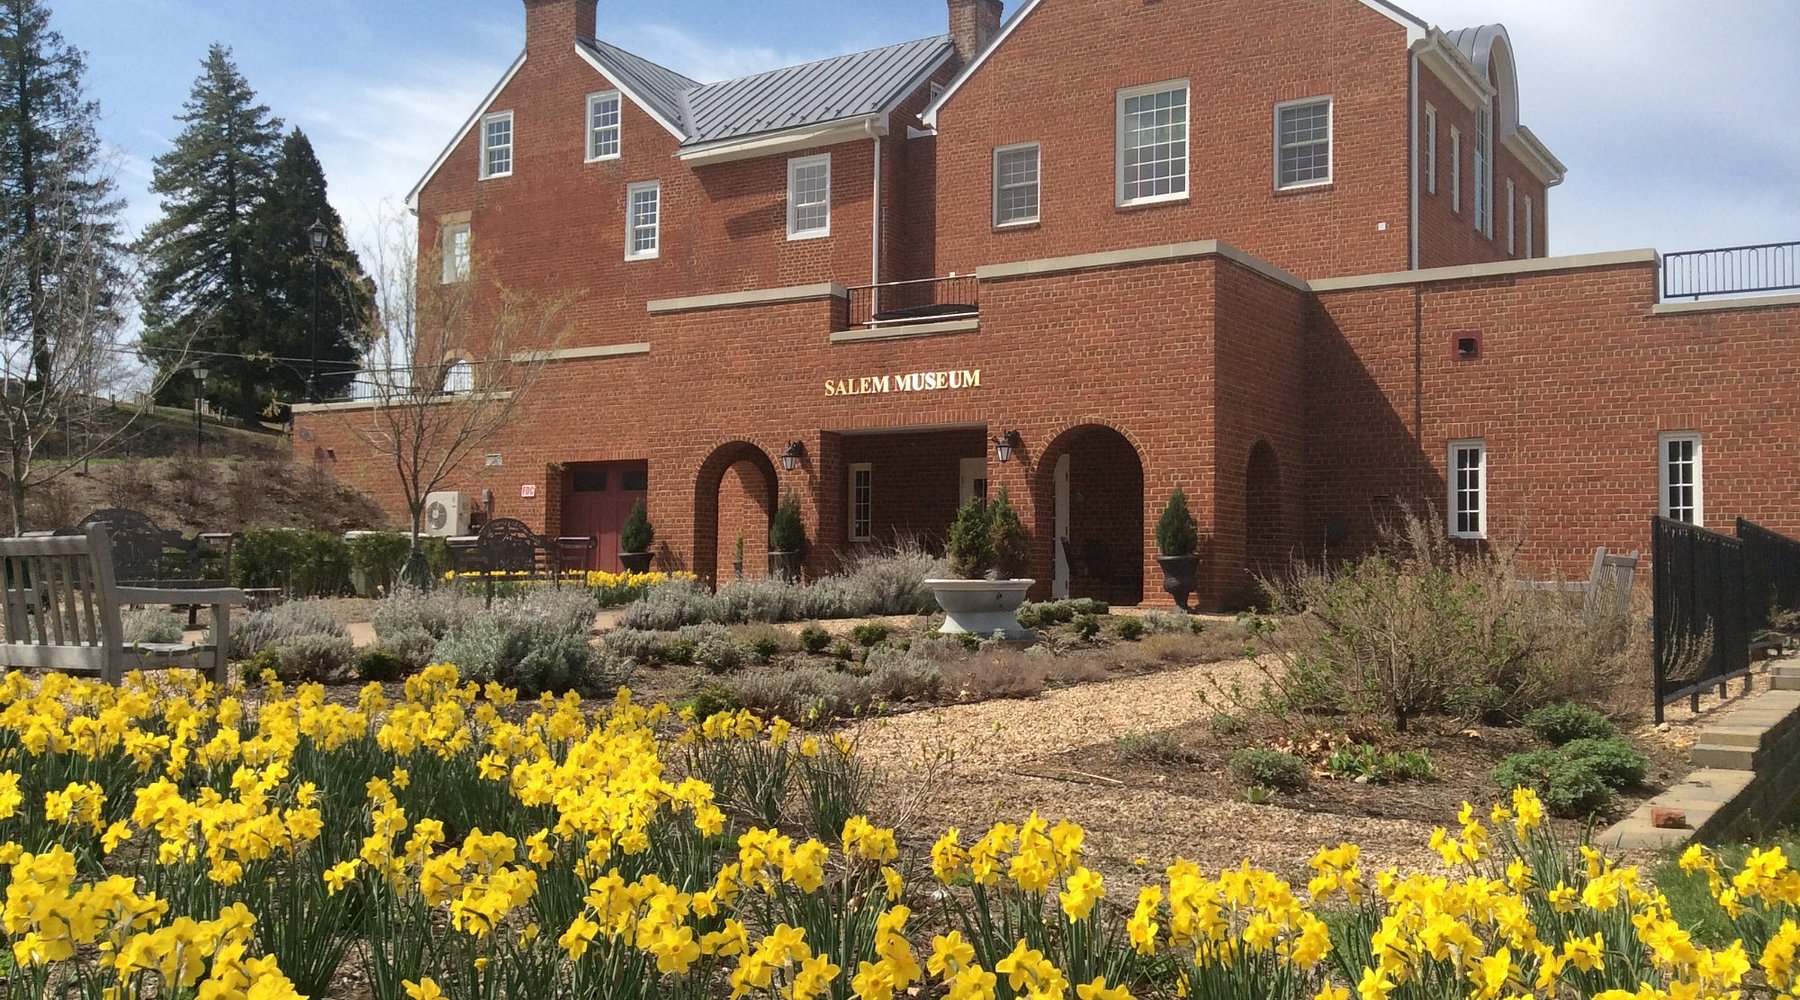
(812, 93)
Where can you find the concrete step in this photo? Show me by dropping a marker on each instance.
(1722, 755)
(1733, 736)
(1785, 677)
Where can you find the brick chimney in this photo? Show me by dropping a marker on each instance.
(973, 24)
(553, 25)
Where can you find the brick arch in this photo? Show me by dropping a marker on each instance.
(745, 475)
(1265, 525)
(1106, 511)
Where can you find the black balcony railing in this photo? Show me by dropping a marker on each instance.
(926, 300)
(1762, 267)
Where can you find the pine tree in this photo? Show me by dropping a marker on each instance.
(285, 269)
(204, 293)
(59, 215)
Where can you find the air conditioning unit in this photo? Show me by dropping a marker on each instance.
(447, 514)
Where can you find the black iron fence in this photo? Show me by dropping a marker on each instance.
(1761, 267)
(923, 301)
(1771, 578)
(1702, 619)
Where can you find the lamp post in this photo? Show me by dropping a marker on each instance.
(199, 394)
(317, 236)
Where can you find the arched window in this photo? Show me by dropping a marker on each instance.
(459, 376)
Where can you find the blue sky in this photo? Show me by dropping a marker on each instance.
(1676, 119)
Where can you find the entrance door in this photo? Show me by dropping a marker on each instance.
(974, 480)
(1059, 587)
(600, 496)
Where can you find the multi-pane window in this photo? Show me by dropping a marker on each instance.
(643, 220)
(1681, 483)
(1455, 171)
(1430, 149)
(459, 376)
(1468, 489)
(455, 252)
(1512, 246)
(1484, 194)
(497, 145)
(862, 502)
(1016, 184)
(1530, 227)
(809, 197)
(603, 125)
(1153, 143)
(1303, 142)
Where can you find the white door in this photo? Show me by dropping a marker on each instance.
(974, 480)
(1059, 587)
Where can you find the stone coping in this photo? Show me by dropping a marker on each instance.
(371, 404)
(1725, 305)
(907, 331)
(1497, 269)
(753, 297)
(1137, 255)
(582, 353)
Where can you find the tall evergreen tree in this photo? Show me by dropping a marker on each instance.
(59, 214)
(290, 278)
(203, 292)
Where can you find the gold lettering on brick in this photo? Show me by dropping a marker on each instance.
(931, 381)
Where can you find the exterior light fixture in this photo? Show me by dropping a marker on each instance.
(790, 458)
(318, 235)
(1005, 445)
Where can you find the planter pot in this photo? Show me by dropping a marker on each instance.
(785, 566)
(636, 562)
(737, 569)
(1180, 578)
(982, 607)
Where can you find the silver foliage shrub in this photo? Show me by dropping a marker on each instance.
(258, 630)
(892, 581)
(432, 611)
(151, 625)
(670, 606)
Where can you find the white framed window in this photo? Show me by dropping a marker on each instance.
(643, 220)
(862, 502)
(603, 126)
(1484, 180)
(455, 252)
(1017, 176)
(1455, 170)
(1530, 227)
(1153, 143)
(459, 377)
(1430, 149)
(1512, 245)
(1680, 479)
(1468, 489)
(1303, 143)
(497, 145)
(809, 197)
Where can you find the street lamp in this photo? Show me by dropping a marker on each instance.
(199, 394)
(317, 235)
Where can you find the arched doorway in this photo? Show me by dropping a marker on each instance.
(1091, 483)
(1265, 533)
(734, 497)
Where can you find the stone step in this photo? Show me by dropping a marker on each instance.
(1785, 677)
(1733, 736)
(1720, 755)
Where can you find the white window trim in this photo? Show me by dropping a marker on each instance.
(1187, 164)
(1431, 131)
(631, 192)
(1483, 216)
(1479, 445)
(1662, 474)
(1036, 218)
(869, 535)
(1330, 141)
(1455, 170)
(512, 145)
(1530, 229)
(593, 99)
(451, 274)
(794, 166)
(1512, 219)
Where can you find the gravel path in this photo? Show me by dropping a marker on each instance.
(973, 765)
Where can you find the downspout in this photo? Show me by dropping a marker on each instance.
(875, 228)
(1412, 177)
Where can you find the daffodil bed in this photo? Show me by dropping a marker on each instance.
(165, 839)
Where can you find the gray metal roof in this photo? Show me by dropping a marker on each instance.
(1476, 43)
(813, 93)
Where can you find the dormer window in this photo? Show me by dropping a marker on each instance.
(603, 125)
(497, 145)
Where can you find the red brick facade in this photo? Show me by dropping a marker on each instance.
(1132, 354)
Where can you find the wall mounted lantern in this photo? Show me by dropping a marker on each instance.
(1005, 445)
(791, 457)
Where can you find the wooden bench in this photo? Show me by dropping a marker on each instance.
(62, 611)
(1611, 575)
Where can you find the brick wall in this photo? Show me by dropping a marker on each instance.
(1446, 235)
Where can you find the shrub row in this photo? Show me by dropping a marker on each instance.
(887, 583)
(320, 564)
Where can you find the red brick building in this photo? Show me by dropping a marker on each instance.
(1292, 257)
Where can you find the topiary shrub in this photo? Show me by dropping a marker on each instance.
(1176, 532)
(1617, 762)
(1129, 629)
(1570, 788)
(1268, 768)
(970, 550)
(1568, 721)
(786, 531)
(814, 639)
(1006, 539)
(636, 534)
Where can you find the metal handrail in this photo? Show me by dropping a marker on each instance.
(915, 300)
(1741, 270)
